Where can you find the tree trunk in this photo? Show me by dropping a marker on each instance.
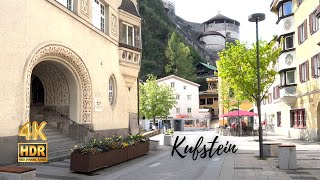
(154, 123)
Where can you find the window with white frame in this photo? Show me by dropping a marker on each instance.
(189, 110)
(99, 15)
(304, 71)
(127, 34)
(67, 3)
(189, 97)
(315, 66)
(290, 77)
(314, 22)
(287, 77)
(177, 110)
(302, 32)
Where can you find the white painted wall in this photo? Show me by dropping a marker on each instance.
(183, 103)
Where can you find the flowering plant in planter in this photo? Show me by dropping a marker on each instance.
(107, 144)
(107, 152)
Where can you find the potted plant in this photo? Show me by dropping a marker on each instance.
(167, 141)
(107, 152)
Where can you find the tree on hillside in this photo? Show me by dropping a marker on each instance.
(180, 60)
(155, 100)
(237, 67)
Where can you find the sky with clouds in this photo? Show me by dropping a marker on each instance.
(202, 10)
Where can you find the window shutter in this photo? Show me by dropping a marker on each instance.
(299, 35)
(300, 75)
(318, 11)
(296, 118)
(310, 23)
(305, 30)
(307, 70)
(274, 93)
(312, 67)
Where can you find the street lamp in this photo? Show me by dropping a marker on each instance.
(256, 18)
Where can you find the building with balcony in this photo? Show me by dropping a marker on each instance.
(292, 105)
(72, 63)
(209, 99)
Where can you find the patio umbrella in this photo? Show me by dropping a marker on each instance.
(237, 113)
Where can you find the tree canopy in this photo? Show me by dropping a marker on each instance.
(155, 100)
(180, 59)
(238, 68)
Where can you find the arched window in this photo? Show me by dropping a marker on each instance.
(112, 90)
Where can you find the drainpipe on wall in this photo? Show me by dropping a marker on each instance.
(138, 95)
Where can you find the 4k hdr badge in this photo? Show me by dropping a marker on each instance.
(33, 152)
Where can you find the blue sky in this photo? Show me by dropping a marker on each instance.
(202, 10)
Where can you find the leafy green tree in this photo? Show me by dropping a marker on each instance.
(180, 59)
(155, 100)
(238, 68)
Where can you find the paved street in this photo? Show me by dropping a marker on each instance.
(161, 165)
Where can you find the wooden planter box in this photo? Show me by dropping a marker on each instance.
(88, 163)
(138, 150)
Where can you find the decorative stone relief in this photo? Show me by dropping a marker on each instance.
(289, 59)
(114, 25)
(63, 54)
(287, 24)
(84, 7)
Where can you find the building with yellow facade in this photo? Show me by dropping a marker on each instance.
(292, 106)
(72, 63)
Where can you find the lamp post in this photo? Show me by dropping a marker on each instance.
(256, 18)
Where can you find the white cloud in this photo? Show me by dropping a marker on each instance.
(202, 10)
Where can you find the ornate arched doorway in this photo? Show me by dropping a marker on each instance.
(56, 78)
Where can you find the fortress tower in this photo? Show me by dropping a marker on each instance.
(217, 31)
(169, 7)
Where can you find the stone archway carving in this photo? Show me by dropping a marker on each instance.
(64, 55)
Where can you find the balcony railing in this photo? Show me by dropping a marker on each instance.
(129, 56)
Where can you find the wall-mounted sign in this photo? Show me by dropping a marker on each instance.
(97, 105)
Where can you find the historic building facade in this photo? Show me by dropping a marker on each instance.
(76, 58)
(295, 93)
(187, 96)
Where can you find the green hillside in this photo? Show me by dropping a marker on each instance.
(156, 30)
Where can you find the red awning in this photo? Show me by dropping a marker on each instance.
(239, 113)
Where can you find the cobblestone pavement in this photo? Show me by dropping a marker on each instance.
(158, 165)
